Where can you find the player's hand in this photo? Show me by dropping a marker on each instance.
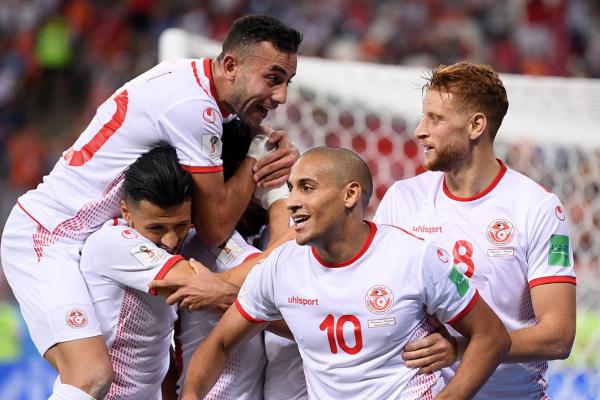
(203, 291)
(274, 168)
(432, 353)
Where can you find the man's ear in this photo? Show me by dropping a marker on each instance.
(125, 211)
(352, 194)
(477, 124)
(230, 65)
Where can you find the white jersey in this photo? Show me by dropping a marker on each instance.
(508, 239)
(243, 376)
(171, 103)
(284, 374)
(352, 319)
(117, 264)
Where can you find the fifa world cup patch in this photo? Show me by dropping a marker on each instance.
(558, 255)
(211, 146)
(148, 255)
(228, 252)
(460, 281)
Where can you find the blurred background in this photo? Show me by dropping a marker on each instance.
(60, 59)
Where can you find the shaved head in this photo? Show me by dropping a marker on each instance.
(343, 166)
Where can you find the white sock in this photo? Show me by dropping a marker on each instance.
(68, 392)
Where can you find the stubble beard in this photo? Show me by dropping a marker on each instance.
(449, 158)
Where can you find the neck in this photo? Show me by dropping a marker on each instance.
(476, 174)
(221, 85)
(344, 243)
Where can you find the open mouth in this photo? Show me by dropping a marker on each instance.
(262, 110)
(299, 220)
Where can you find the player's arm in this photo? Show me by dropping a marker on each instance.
(218, 205)
(552, 287)
(208, 361)
(274, 168)
(193, 286)
(279, 233)
(552, 336)
(488, 342)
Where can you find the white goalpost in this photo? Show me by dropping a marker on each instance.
(551, 134)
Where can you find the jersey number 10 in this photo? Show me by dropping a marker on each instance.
(335, 333)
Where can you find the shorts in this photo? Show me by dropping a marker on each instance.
(43, 271)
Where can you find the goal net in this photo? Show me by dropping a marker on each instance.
(551, 134)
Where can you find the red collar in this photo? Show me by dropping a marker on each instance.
(363, 249)
(485, 191)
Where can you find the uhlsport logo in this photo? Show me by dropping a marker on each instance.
(209, 115)
(129, 234)
(560, 214)
(76, 318)
(500, 232)
(379, 299)
(442, 256)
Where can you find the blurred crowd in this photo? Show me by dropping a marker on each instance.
(60, 59)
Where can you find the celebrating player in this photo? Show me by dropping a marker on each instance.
(507, 233)
(119, 260)
(182, 103)
(353, 294)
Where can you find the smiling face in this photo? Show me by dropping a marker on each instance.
(260, 80)
(165, 227)
(316, 201)
(443, 132)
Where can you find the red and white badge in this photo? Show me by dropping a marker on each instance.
(76, 318)
(500, 232)
(379, 299)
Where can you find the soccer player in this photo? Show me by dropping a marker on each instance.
(182, 103)
(505, 232)
(353, 294)
(124, 255)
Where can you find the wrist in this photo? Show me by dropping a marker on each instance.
(260, 146)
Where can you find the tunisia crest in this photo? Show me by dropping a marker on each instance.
(379, 299)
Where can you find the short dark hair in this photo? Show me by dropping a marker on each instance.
(157, 177)
(253, 29)
(476, 87)
(236, 142)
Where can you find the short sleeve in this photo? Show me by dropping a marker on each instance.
(550, 252)
(220, 258)
(256, 300)
(123, 255)
(194, 128)
(447, 292)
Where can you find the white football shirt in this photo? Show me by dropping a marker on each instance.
(352, 319)
(511, 237)
(117, 263)
(171, 103)
(243, 376)
(284, 373)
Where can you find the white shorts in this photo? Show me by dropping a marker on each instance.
(43, 271)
